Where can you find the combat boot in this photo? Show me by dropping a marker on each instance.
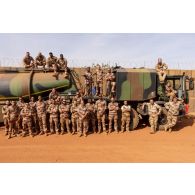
(166, 128)
(6, 133)
(62, 132)
(41, 133)
(9, 136)
(170, 130)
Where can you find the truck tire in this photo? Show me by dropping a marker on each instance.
(162, 120)
(134, 119)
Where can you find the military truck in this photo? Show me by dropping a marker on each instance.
(134, 85)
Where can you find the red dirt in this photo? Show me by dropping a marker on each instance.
(135, 146)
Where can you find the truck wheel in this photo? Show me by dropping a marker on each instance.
(162, 120)
(134, 119)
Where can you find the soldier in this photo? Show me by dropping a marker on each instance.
(100, 107)
(64, 110)
(161, 69)
(54, 94)
(21, 105)
(5, 116)
(40, 60)
(99, 80)
(113, 115)
(53, 117)
(27, 120)
(154, 111)
(62, 64)
(88, 82)
(91, 109)
(169, 91)
(74, 117)
(126, 113)
(110, 82)
(77, 98)
(32, 105)
(83, 121)
(13, 112)
(41, 115)
(52, 63)
(28, 61)
(173, 112)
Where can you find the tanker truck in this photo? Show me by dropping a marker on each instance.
(134, 85)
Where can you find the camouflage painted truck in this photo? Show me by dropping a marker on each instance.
(134, 85)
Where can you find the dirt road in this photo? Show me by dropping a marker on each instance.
(135, 146)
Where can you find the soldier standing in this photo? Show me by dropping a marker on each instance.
(52, 63)
(21, 105)
(27, 120)
(113, 115)
(62, 64)
(126, 113)
(13, 112)
(83, 122)
(77, 98)
(88, 82)
(41, 115)
(32, 105)
(74, 117)
(110, 82)
(91, 109)
(53, 94)
(40, 60)
(99, 80)
(100, 107)
(53, 117)
(5, 116)
(173, 112)
(154, 111)
(28, 61)
(64, 110)
(161, 69)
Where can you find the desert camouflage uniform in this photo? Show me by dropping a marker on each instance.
(41, 116)
(100, 107)
(83, 122)
(53, 96)
(53, 118)
(78, 99)
(110, 83)
(52, 63)
(173, 112)
(74, 118)
(91, 109)
(20, 105)
(26, 120)
(28, 62)
(40, 60)
(6, 118)
(153, 110)
(126, 113)
(88, 83)
(34, 115)
(64, 117)
(161, 70)
(62, 64)
(13, 112)
(113, 115)
(99, 81)
(170, 92)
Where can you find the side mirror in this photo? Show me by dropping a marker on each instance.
(191, 84)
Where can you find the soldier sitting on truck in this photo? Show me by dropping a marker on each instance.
(62, 64)
(169, 91)
(161, 69)
(40, 60)
(52, 64)
(28, 61)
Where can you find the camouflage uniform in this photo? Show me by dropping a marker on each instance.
(113, 115)
(91, 109)
(100, 106)
(88, 83)
(62, 64)
(161, 69)
(99, 81)
(6, 117)
(77, 98)
(53, 118)
(154, 111)
(74, 117)
(20, 105)
(126, 113)
(173, 112)
(53, 95)
(41, 115)
(28, 62)
(83, 122)
(32, 105)
(170, 92)
(64, 117)
(40, 60)
(52, 63)
(110, 83)
(13, 112)
(26, 120)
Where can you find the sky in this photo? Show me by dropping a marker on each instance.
(82, 49)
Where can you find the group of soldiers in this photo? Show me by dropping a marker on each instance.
(52, 63)
(32, 118)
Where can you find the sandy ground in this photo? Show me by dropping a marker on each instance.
(135, 146)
